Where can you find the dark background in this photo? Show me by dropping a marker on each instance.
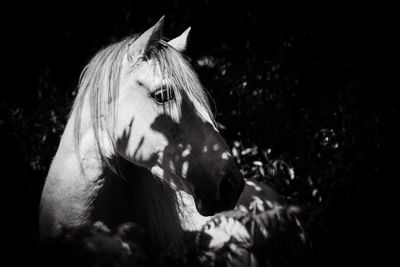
(318, 99)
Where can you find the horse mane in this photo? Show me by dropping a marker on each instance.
(99, 87)
(99, 84)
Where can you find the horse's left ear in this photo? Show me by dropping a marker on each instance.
(180, 42)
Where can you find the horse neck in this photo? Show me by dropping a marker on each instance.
(139, 195)
(67, 195)
(153, 202)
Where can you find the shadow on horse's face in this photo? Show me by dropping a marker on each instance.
(171, 134)
(199, 156)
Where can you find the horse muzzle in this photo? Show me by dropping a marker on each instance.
(224, 197)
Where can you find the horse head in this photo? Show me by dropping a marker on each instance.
(163, 123)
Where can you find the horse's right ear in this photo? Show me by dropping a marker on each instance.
(145, 41)
(179, 43)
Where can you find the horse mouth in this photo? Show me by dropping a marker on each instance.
(208, 206)
(203, 209)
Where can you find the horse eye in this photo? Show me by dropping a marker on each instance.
(163, 95)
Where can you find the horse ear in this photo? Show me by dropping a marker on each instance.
(179, 43)
(148, 39)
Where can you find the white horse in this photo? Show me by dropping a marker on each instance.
(140, 131)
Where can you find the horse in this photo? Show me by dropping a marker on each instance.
(140, 132)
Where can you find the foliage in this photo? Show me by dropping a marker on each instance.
(252, 236)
